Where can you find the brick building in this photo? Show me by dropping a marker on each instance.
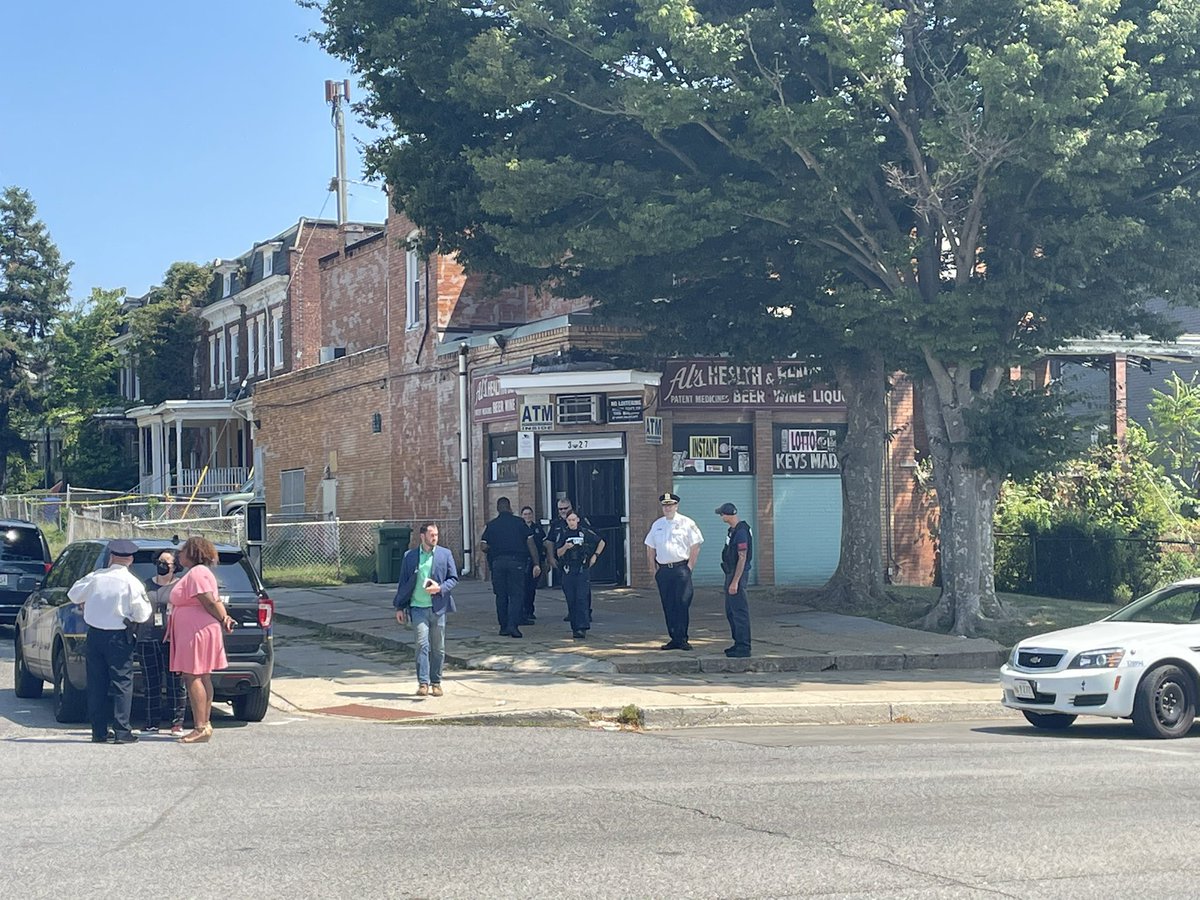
(262, 319)
(417, 354)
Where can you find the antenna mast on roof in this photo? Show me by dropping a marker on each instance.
(338, 92)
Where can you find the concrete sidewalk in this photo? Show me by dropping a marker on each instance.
(808, 666)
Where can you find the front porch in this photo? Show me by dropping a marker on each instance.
(201, 448)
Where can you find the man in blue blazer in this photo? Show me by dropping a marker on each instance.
(427, 576)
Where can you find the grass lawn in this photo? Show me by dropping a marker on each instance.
(1030, 615)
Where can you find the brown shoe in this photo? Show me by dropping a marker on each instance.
(436, 690)
(423, 690)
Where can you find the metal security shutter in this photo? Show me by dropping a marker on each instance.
(808, 528)
(698, 497)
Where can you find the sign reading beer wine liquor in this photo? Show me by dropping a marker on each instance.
(808, 449)
(719, 384)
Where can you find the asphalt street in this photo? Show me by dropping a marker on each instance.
(311, 806)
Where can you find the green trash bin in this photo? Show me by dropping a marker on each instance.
(390, 548)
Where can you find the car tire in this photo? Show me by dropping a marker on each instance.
(252, 706)
(70, 703)
(1049, 721)
(26, 685)
(1165, 703)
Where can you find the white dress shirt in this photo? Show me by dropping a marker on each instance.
(673, 539)
(109, 597)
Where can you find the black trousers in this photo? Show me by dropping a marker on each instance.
(675, 591)
(531, 584)
(737, 611)
(153, 657)
(109, 680)
(508, 584)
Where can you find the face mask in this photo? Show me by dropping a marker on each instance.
(164, 568)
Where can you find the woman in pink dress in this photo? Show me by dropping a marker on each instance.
(196, 631)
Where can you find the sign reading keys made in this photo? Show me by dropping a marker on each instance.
(537, 413)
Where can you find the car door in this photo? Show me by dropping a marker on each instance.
(42, 612)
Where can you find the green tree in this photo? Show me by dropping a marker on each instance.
(955, 186)
(165, 331)
(33, 287)
(1175, 428)
(81, 381)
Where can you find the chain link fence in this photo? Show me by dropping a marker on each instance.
(293, 553)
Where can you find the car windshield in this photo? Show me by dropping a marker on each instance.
(230, 571)
(1172, 605)
(21, 545)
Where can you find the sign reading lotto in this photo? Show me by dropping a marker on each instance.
(490, 403)
(807, 449)
(715, 384)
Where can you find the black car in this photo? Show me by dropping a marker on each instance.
(24, 561)
(51, 635)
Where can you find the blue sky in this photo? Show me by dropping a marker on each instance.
(150, 132)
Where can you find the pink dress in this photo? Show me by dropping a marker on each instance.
(197, 639)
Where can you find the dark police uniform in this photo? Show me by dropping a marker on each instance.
(576, 564)
(554, 535)
(539, 538)
(737, 608)
(507, 538)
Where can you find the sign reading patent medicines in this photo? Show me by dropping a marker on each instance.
(718, 384)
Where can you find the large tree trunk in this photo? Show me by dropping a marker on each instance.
(861, 457)
(967, 498)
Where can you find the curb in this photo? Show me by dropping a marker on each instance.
(687, 665)
(880, 713)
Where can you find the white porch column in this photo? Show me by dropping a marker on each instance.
(156, 458)
(178, 450)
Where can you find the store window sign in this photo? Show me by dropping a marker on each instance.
(712, 450)
(709, 447)
(537, 413)
(808, 450)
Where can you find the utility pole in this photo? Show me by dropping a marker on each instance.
(337, 93)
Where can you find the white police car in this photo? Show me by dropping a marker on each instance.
(1140, 663)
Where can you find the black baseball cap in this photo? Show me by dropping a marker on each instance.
(726, 509)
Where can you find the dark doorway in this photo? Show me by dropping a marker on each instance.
(597, 488)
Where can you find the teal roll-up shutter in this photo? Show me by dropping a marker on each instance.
(699, 495)
(808, 528)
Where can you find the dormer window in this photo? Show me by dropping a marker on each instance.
(268, 257)
(226, 284)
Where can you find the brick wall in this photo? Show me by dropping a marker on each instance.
(354, 295)
(302, 309)
(321, 416)
(912, 511)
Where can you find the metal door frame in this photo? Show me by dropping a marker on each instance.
(560, 456)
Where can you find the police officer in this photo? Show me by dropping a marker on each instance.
(113, 599)
(578, 549)
(538, 534)
(672, 546)
(735, 563)
(509, 547)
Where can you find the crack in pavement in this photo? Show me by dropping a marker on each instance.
(830, 845)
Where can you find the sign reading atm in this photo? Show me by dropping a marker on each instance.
(537, 413)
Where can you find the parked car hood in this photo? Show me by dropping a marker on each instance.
(1098, 635)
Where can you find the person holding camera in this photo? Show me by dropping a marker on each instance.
(427, 576)
(577, 551)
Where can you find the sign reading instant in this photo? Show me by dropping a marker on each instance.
(719, 384)
(807, 449)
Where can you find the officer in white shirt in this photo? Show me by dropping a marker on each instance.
(672, 545)
(111, 598)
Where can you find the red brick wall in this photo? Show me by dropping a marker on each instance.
(302, 310)
(354, 296)
(308, 415)
(912, 512)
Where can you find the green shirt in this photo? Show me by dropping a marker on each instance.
(421, 596)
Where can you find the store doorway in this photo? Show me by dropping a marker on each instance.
(597, 488)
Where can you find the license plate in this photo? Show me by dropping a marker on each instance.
(1025, 690)
(3, 581)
